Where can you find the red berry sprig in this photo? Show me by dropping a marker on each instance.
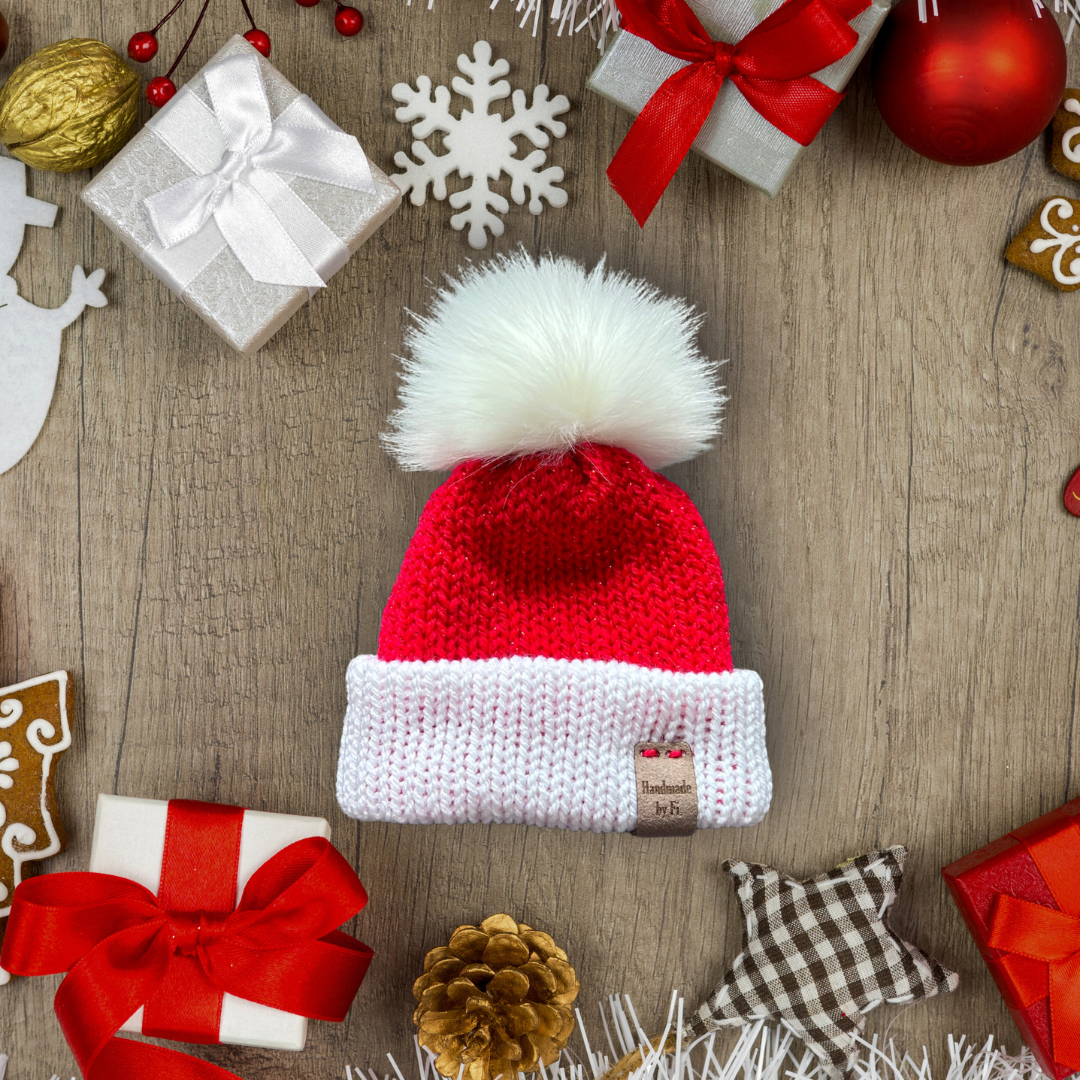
(347, 21)
(160, 90)
(260, 39)
(143, 46)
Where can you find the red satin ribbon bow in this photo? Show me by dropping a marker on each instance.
(1042, 946)
(771, 66)
(123, 949)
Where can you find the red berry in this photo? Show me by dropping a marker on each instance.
(142, 47)
(307, 3)
(260, 39)
(348, 21)
(159, 91)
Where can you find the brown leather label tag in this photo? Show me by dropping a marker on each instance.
(666, 789)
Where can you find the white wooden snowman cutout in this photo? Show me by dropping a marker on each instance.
(30, 336)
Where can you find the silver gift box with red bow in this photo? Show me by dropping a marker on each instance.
(734, 136)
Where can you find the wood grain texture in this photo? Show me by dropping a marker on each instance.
(206, 540)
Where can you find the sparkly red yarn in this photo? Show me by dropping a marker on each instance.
(588, 555)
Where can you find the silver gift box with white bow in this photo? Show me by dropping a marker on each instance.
(242, 196)
(734, 136)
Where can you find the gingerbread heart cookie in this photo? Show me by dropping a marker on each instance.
(34, 731)
(1065, 148)
(1050, 244)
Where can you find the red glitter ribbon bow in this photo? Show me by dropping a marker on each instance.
(124, 948)
(1041, 945)
(771, 66)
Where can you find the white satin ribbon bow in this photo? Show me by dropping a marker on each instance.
(237, 196)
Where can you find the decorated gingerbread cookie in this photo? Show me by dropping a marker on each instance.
(34, 731)
(1065, 149)
(1050, 244)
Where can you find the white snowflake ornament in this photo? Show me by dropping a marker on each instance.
(480, 145)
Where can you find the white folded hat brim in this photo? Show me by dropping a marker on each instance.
(540, 741)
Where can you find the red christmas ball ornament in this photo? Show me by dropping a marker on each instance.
(348, 21)
(307, 3)
(160, 90)
(973, 84)
(3, 34)
(142, 47)
(260, 39)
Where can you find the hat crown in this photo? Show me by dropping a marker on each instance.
(589, 555)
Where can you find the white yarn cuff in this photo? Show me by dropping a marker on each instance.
(539, 741)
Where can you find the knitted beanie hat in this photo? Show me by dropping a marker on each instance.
(555, 650)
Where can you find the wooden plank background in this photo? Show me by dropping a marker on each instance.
(206, 540)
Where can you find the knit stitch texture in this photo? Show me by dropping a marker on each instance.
(588, 555)
(551, 612)
(543, 742)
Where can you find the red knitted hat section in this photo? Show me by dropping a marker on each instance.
(590, 555)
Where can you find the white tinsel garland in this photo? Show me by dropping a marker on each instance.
(762, 1052)
(4, 1065)
(602, 16)
(1070, 7)
(1073, 11)
(599, 17)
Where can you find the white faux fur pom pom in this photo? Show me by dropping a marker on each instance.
(521, 357)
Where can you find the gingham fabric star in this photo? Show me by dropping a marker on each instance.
(819, 955)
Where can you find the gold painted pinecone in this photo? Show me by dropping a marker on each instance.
(68, 106)
(496, 1000)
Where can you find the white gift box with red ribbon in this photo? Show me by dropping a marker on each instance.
(129, 842)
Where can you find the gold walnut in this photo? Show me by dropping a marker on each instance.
(69, 106)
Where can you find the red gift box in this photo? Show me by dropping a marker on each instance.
(1020, 897)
